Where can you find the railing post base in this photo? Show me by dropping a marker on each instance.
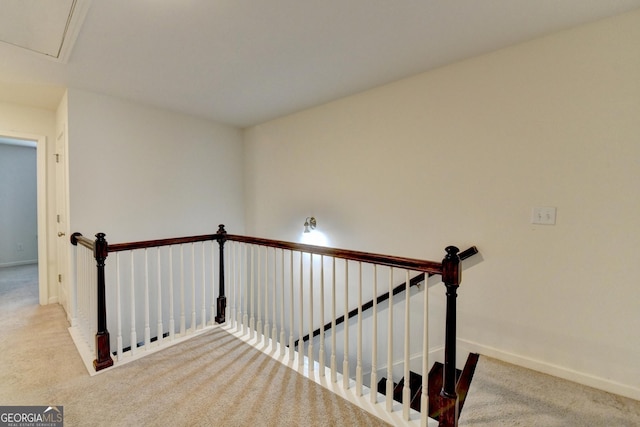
(221, 308)
(449, 410)
(104, 359)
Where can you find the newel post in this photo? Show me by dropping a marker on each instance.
(222, 300)
(103, 350)
(451, 278)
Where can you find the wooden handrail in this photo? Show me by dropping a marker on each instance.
(430, 267)
(118, 247)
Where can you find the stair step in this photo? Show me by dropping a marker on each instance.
(463, 381)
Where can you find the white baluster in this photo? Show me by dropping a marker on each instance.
(252, 321)
(192, 326)
(147, 328)
(172, 321)
(310, 361)
(301, 318)
(160, 327)
(321, 350)
(424, 398)
(233, 290)
(203, 310)
(334, 368)
(118, 310)
(245, 318)
(282, 333)
(241, 296)
(274, 329)
(291, 312)
(265, 333)
(183, 319)
(212, 320)
(359, 339)
(259, 285)
(134, 336)
(345, 361)
(374, 339)
(406, 390)
(389, 391)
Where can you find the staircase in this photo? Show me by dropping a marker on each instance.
(463, 381)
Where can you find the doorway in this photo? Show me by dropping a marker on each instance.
(27, 248)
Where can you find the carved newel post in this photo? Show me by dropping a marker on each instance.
(222, 300)
(103, 349)
(451, 278)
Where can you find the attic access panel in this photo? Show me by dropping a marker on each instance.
(45, 27)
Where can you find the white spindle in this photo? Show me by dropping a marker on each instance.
(321, 350)
(265, 333)
(259, 285)
(274, 329)
(192, 326)
(183, 319)
(345, 361)
(233, 290)
(159, 279)
(172, 321)
(147, 327)
(406, 389)
(203, 310)
(252, 320)
(291, 312)
(334, 368)
(282, 333)
(245, 318)
(239, 284)
(359, 338)
(310, 361)
(424, 398)
(389, 391)
(212, 319)
(118, 310)
(301, 310)
(134, 336)
(374, 339)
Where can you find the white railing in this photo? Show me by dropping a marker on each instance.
(298, 289)
(84, 299)
(284, 298)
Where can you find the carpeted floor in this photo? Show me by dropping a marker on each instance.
(217, 380)
(211, 380)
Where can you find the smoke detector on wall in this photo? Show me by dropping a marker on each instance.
(48, 28)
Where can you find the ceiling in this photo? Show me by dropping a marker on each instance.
(243, 62)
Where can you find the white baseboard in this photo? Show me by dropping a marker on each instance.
(17, 263)
(583, 378)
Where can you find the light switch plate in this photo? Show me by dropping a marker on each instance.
(544, 216)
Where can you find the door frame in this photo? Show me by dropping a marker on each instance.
(41, 206)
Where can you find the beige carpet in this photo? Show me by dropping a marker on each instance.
(212, 380)
(502, 394)
(217, 380)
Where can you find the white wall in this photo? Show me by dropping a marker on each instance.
(460, 155)
(138, 173)
(18, 198)
(38, 122)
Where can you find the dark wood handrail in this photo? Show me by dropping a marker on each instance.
(431, 267)
(385, 296)
(118, 247)
(425, 266)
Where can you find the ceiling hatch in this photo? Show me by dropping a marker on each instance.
(44, 27)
